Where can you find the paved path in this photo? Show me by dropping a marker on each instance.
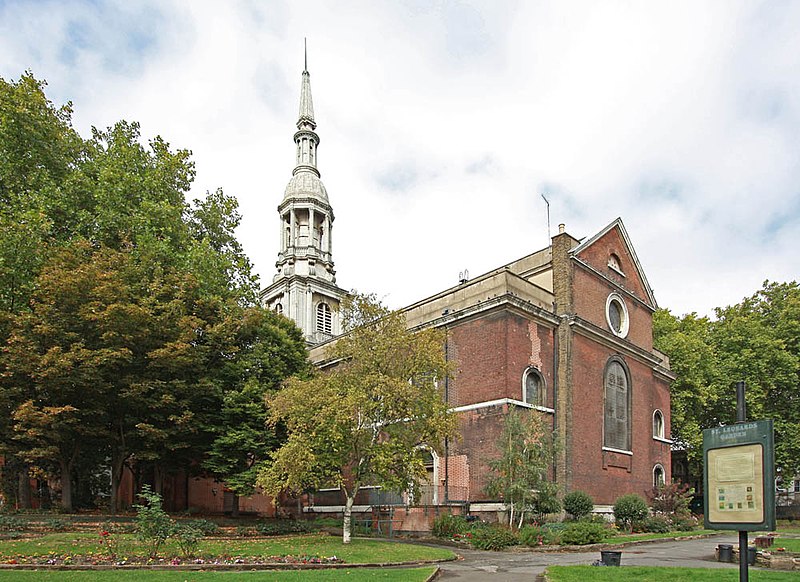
(518, 566)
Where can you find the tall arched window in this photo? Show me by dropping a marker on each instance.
(616, 421)
(658, 424)
(533, 391)
(279, 308)
(324, 319)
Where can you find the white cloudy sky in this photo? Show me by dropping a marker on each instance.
(442, 123)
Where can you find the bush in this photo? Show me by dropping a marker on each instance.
(654, 524)
(628, 509)
(684, 522)
(532, 536)
(204, 526)
(282, 527)
(672, 499)
(449, 526)
(493, 538)
(578, 504)
(57, 524)
(582, 533)
(244, 531)
(12, 523)
(153, 525)
(188, 539)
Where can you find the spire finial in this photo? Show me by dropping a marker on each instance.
(305, 55)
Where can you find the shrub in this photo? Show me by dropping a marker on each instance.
(582, 533)
(493, 538)
(532, 535)
(188, 538)
(153, 525)
(12, 523)
(449, 526)
(655, 524)
(282, 527)
(204, 526)
(245, 531)
(672, 499)
(628, 509)
(57, 524)
(684, 522)
(578, 504)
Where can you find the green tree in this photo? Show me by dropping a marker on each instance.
(265, 349)
(521, 473)
(366, 420)
(755, 341)
(696, 402)
(38, 153)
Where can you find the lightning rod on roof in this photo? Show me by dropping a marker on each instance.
(546, 201)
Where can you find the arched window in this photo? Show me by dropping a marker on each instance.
(658, 424)
(616, 421)
(659, 476)
(324, 319)
(279, 308)
(614, 262)
(533, 390)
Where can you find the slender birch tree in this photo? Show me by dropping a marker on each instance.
(366, 420)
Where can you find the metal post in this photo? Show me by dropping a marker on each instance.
(741, 416)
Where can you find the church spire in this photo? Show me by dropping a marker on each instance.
(304, 287)
(305, 138)
(306, 103)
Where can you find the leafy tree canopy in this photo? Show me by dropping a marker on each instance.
(758, 341)
(366, 419)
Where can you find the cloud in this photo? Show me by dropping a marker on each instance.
(443, 122)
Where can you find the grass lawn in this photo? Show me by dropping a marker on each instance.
(359, 551)
(647, 574)
(356, 574)
(791, 544)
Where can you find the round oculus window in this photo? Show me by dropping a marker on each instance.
(617, 315)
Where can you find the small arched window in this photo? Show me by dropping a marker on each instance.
(658, 425)
(659, 476)
(616, 418)
(324, 324)
(533, 390)
(279, 308)
(614, 263)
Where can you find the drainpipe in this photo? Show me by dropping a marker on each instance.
(446, 439)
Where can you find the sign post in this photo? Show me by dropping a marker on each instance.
(738, 475)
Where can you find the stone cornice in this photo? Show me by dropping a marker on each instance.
(305, 200)
(591, 331)
(491, 304)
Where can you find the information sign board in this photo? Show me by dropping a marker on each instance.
(738, 475)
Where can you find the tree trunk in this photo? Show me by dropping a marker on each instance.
(117, 467)
(66, 485)
(347, 522)
(234, 505)
(158, 481)
(24, 489)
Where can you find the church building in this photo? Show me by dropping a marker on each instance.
(565, 332)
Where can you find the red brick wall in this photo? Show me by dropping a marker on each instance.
(491, 354)
(606, 475)
(598, 253)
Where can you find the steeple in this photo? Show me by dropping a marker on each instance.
(306, 120)
(304, 287)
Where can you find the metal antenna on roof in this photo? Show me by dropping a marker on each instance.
(305, 54)
(546, 201)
